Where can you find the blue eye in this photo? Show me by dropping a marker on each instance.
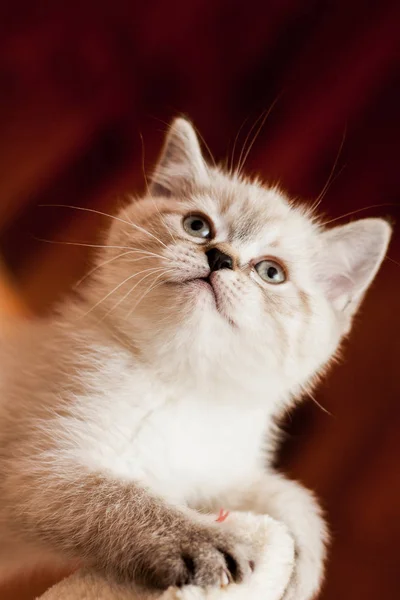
(197, 226)
(271, 272)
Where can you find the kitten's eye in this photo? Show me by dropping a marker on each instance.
(198, 226)
(271, 271)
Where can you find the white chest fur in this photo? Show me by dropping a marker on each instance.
(185, 448)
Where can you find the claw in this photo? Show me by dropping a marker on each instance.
(225, 581)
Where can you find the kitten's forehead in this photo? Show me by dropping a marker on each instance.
(253, 211)
(254, 217)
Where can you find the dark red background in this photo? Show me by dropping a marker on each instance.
(81, 83)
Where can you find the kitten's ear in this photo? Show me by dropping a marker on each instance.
(181, 164)
(349, 260)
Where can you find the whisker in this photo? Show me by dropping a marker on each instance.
(326, 188)
(110, 260)
(162, 219)
(354, 212)
(116, 288)
(125, 212)
(149, 289)
(106, 262)
(152, 271)
(149, 253)
(392, 260)
(99, 212)
(64, 243)
(129, 251)
(234, 146)
(143, 163)
(264, 118)
(238, 169)
(321, 195)
(320, 405)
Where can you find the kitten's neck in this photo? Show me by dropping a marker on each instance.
(176, 370)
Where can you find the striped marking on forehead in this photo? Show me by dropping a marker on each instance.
(250, 213)
(253, 241)
(254, 228)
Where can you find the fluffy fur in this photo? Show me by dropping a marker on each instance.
(153, 396)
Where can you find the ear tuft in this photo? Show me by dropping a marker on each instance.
(349, 259)
(181, 164)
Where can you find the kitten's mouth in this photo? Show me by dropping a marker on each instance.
(206, 282)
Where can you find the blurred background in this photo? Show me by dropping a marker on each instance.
(86, 92)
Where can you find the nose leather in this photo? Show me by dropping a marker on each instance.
(219, 260)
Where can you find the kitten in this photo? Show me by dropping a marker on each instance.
(215, 303)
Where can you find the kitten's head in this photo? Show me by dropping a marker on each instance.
(219, 277)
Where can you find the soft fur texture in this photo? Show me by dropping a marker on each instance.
(153, 396)
(275, 558)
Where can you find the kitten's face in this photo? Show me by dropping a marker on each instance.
(226, 278)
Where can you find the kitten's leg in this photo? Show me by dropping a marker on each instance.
(295, 506)
(120, 528)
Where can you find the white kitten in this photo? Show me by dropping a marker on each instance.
(215, 303)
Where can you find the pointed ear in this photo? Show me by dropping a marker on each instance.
(181, 165)
(349, 260)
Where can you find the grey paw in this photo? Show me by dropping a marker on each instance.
(198, 556)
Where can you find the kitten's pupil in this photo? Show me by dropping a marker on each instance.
(272, 272)
(197, 225)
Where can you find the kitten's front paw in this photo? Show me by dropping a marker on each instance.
(197, 555)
